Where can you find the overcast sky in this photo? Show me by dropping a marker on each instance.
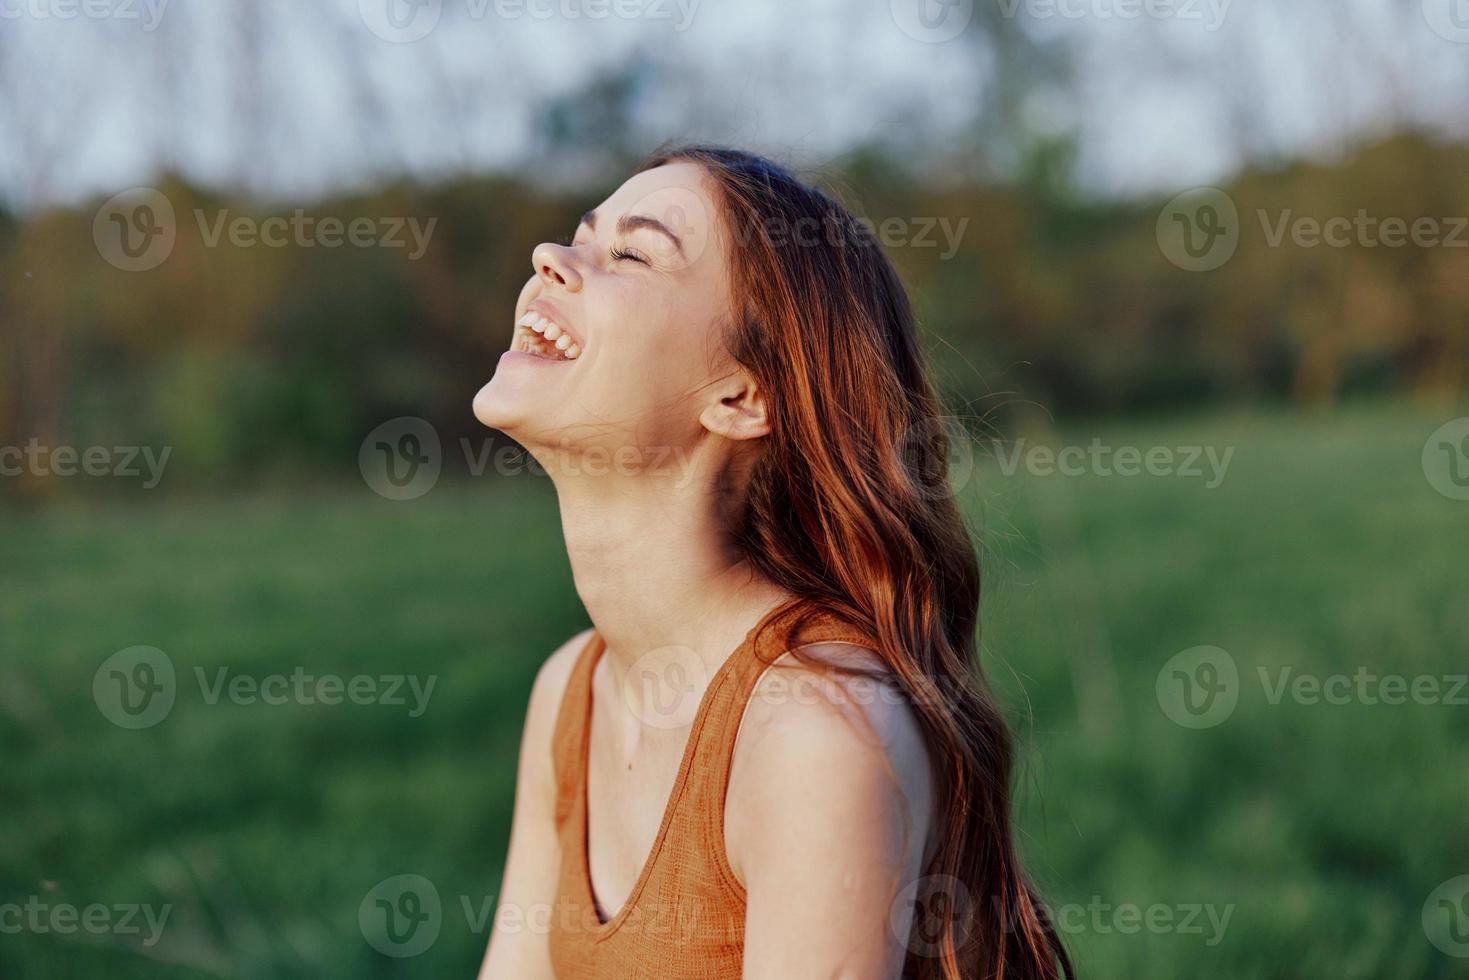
(299, 97)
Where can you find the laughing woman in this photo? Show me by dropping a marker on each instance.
(772, 756)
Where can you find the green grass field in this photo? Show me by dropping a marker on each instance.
(1290, 840)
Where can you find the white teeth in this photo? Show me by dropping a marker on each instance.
(562, 340)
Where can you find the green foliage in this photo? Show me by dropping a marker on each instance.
(1324, 827)
(253, 359)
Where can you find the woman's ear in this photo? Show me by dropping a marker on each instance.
(738, 411)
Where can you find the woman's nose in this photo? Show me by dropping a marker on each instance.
(556, 264)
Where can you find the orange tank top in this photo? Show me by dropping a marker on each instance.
(685, 916)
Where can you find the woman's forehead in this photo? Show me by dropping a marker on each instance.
(675, 198)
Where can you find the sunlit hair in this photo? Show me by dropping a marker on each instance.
(848, 506)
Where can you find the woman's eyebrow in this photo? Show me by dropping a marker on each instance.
(631, 222)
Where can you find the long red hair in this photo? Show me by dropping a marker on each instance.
(848, 506)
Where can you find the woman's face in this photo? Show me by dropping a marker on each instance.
(636, 302)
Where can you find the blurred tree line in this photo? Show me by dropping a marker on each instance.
(259, 362)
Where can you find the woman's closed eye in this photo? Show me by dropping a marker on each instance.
(617, 254)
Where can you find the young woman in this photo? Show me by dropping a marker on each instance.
(771, 757)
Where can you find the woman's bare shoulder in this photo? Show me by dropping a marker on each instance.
(832, 732)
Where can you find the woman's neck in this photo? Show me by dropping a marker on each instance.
(654, 565)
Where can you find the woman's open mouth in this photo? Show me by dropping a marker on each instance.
(539, 336)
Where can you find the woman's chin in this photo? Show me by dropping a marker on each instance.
(495, 406)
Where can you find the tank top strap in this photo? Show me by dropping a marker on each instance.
(568, 739)
(797, 624)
